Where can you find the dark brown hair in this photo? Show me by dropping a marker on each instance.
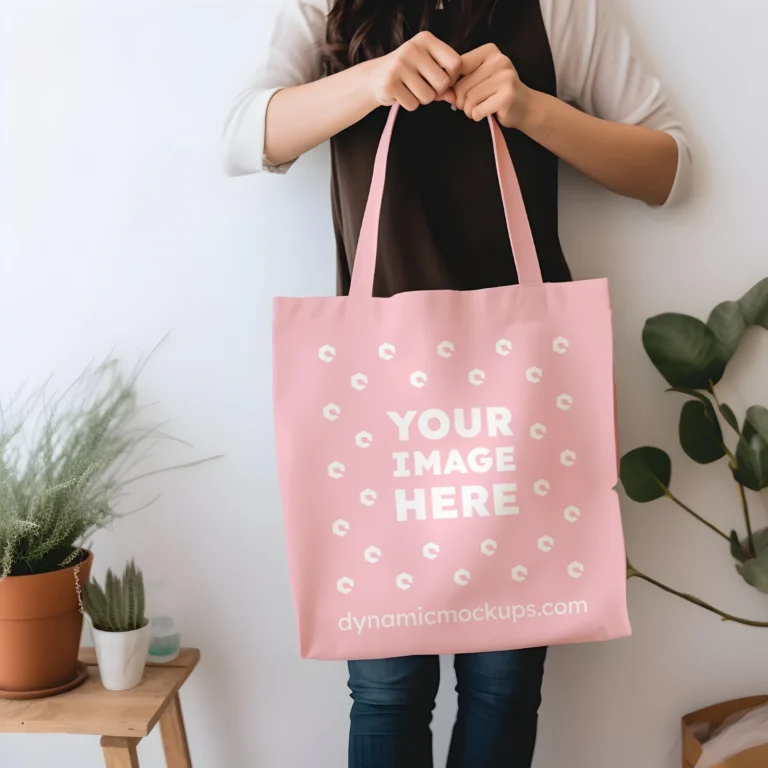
(359, 30)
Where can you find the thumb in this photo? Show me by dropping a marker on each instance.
(448, 96)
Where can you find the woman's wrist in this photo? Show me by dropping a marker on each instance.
(538, 108)
(367, 72)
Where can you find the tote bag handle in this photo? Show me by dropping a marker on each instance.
(518, 226)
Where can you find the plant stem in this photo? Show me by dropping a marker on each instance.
(632, 572)
(679, 503)
(729, 453)
(742, 493)
(745, 507)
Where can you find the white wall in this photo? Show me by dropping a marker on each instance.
(118, 225)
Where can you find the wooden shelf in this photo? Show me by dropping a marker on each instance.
(123, 718)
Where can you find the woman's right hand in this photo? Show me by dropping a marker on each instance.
(422, 70)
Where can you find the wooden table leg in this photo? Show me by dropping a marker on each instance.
(175, 736)
(120, 752)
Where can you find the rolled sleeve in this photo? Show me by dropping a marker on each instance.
(681, 186)
(244, 135)
(599, 71)
(294, 57)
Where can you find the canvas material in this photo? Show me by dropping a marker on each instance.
(447, 460)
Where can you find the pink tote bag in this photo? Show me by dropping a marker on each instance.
(447, 459)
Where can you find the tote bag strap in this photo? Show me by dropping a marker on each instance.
(518, 226)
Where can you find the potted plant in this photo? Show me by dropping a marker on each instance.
(64, 465)
(119, 627)
(692, 356)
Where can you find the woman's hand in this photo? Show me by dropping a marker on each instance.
(629, 159)
(420, 71)
(491, 86)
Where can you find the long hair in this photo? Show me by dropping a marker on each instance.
(359, 30)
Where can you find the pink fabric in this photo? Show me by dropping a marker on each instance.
(447, 460)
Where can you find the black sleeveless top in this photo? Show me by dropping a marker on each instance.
(442, 221)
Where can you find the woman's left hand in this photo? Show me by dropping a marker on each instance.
(491, 86)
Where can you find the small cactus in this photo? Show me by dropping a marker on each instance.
(119, 607)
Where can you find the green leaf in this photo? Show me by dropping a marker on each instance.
(755, 572)
(761, 541)
(725, 410)
(737, 550)
(646, 474)
(757, 416)
(752, 451)
(700, 433)
(684, 350)
(754, 304)
(729, 416)
(729, 326)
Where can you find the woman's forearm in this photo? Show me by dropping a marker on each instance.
(631, 160)
(420, 71)
(301, 118)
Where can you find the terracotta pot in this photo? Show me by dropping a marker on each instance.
(40, 629)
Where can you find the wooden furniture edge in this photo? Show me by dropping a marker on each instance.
(120, 752)
(186, 661)
(188, 657)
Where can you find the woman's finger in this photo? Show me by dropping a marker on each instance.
(438, 79)
(448, 96)
(490, 106)
(404, 97)
(474, 59)
(478, 95)
(418, 86)
(467, 83)
(447, 59)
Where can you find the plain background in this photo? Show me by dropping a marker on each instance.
(117, 225)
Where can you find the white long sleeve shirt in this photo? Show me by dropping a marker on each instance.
(595, 64)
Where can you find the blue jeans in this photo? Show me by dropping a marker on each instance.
(393, 699)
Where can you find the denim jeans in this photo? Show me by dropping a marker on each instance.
(499, 698)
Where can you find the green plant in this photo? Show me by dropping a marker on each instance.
(692, 356)
(66, 464)
(119, 607)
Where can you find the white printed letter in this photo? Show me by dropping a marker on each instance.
(444, 424)
(443, 504)
(505, 459)
(422, 463)
(402, 470)
(473, 499)
(503, 497)
(418, 505)
(498, 421)
(461, 427)
(479, 460)
(402, 423)
(454, 463)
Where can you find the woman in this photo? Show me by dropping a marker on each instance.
(525, 62)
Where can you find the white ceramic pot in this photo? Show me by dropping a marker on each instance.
(122, 657)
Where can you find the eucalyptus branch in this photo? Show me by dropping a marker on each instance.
(731, 456)
(634, 573)
(734, 465)
(709, 525)
(720, 410)
(747, 520)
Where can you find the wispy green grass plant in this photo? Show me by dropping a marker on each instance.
(66, 463)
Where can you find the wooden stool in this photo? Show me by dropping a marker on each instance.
(121, 718)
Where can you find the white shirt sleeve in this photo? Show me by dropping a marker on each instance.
(294, 57)
(595, 65)
(598, 71)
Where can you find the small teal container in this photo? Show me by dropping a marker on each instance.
(165, 636)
